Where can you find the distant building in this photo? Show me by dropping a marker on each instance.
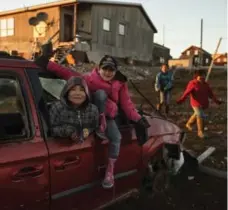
(161, 54)
(120, 29)
(220, 59)
(192, 57)
(195, 54)
(185, 63)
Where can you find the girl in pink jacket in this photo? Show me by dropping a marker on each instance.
(109, 90)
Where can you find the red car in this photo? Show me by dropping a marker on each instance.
(38, 171)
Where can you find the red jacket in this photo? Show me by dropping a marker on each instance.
(199, 93)
(117, 91)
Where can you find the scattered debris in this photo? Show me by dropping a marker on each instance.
(205, 154)
(191, 177)
(220, 132)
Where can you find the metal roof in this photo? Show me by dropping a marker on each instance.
(35, 7)
(160, 46)
(193, 46)
(62, 2)
(124, 3)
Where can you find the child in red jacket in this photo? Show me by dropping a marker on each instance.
(200, 92)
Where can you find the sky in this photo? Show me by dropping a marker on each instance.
(177, 21)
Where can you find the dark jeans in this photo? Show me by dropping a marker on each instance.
(112, 130)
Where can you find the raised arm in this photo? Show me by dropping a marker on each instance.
(61, 71)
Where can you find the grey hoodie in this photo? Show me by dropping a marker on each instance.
(66, 119)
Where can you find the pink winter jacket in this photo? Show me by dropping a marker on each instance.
(117, 91)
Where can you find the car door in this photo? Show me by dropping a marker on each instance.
(74, 183)
(24, 167)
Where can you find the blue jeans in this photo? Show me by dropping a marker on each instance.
(112, 130)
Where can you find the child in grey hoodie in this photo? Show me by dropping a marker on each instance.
(74, 117)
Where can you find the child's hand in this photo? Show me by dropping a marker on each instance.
(143, 122)
(85, 133)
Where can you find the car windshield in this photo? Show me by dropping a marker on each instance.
(52, 86)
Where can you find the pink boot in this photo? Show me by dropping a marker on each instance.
(102, 126)
(109, 177)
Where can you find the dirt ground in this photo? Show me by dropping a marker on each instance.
(216, 121)
(203, 192)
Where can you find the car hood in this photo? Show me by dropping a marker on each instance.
(164, 128)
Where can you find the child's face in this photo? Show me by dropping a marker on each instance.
(107, 74)
(77, 95)
(164, 68)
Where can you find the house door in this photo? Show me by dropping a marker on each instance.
(68, 27)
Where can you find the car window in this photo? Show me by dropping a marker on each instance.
(13, 115)
(52, 86)
(8, 99)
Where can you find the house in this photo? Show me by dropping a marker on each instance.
(197, 55)
(220, 59)
(183, 63)
(193, 56)
(97, 27)
(161, 54)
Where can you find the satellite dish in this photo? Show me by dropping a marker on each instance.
(33, 21)
(42, 16)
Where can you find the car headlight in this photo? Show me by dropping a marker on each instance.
(172, 151)
(173, 157)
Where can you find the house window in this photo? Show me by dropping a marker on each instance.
(188, 52)
(196, 52)
(219, 60)
(162, 60)
(225, 59)
(207, 60)
(121, 29)
(7, 27)
(106, 24)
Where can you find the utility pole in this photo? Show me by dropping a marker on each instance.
(213, 59)
(201, 43)
(163, 33)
